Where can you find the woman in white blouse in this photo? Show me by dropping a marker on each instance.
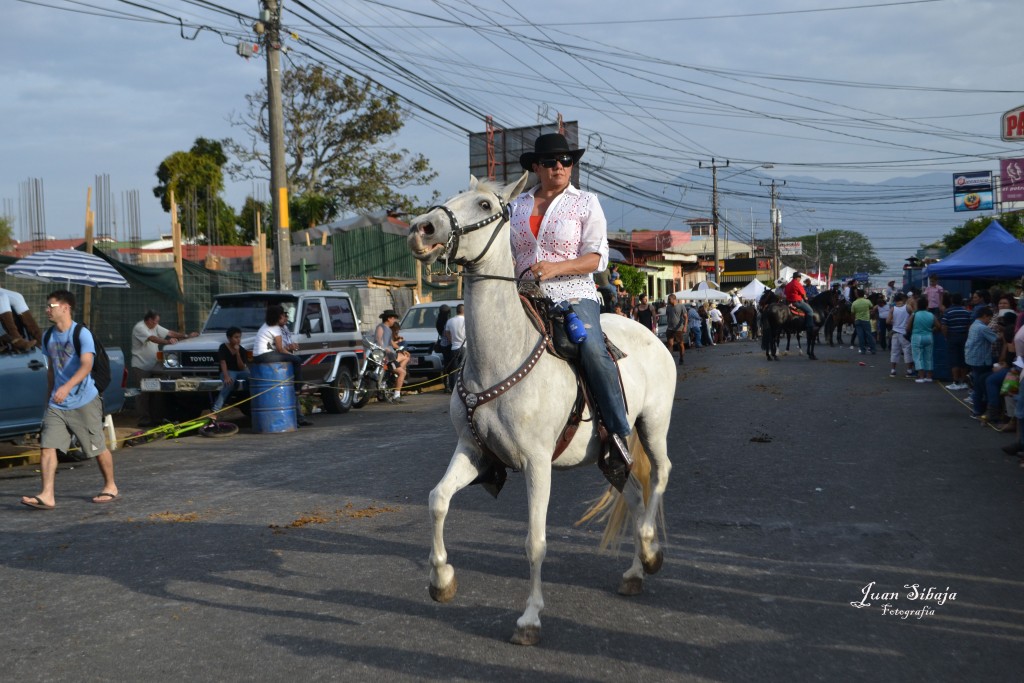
(560, 235)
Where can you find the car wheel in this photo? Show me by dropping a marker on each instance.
(339, 397)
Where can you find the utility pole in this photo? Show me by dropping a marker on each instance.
(714, 213)
(776, 221)
(278, 173)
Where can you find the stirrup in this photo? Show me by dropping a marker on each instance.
(615, 463)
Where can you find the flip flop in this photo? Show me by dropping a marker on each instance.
(104, 498)
(38, 504)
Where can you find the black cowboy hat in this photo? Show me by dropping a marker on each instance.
(549, 145)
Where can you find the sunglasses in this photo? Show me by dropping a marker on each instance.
(565, 160)
(54, 305)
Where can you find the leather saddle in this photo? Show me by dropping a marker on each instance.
(551, 324)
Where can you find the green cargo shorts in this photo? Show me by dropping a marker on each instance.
(86, 423)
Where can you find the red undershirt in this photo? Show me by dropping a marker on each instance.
(535, 222)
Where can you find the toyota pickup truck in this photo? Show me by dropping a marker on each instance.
(23, 400)
(323, 323)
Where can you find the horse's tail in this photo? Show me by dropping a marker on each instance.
(766, 330)
(611, 507)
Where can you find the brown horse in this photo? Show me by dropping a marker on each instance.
(747, 314)
(841, 315)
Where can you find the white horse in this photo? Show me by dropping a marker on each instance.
(522, 424)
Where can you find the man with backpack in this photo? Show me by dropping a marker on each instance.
(75, 405)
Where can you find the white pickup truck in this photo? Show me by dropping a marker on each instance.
(323, 323)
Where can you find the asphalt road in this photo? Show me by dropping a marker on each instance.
(304, 556)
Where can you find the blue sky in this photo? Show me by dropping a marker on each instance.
(862, 95)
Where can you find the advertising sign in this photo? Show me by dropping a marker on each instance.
(973, 191)
(1012, 128)
(791, 248)
(1011, 180)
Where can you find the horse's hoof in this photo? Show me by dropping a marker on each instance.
(444, 594)
(526, 635)
(634, 585)
(654, 565)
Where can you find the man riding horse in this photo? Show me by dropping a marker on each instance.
(796, 296)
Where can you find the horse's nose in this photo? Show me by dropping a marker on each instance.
(423, 228)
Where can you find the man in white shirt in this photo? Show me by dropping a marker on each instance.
(147, 338)
(455, 335)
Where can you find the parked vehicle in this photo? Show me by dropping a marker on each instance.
(324, 325)
(420, 333)
(376, 380)
(23, 400)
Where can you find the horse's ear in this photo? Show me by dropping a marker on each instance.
(473, 182)
(513, 189)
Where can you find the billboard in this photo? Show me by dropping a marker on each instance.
(791, 248)
(507, 144)
(972, 191)
(1011, 180)
(1011, 127)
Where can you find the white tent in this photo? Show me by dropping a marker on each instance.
(706, 294)
(753, 290)
(786, 274)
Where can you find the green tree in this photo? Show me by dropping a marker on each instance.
(853, 251)
(6, 233)
(961, 235)
(633, 280)
(337, 145)
(196, 178)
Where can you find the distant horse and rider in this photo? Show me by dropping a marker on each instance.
(778, 317)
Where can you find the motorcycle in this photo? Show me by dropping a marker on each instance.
(376, 378)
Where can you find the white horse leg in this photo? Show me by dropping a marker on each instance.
(649, 555)
(538, 493)
(461, 471)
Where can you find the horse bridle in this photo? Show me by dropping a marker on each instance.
(456, 231)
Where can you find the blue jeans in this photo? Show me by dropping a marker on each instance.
(696, 336)
(599, 369)
(979, 373)
(806, 308)
(994, 390)
(228, 388)
(864, 337)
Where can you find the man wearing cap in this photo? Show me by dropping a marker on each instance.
(559, 235)
(384, 335)
(796, 295)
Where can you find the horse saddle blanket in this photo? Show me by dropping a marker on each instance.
(799, 313)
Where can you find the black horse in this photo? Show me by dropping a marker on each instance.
(777, 317)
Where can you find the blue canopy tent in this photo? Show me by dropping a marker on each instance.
(994, 254)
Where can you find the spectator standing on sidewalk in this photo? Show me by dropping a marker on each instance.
(955, 323)
(922, 325)
(978, 353)
(644, 314)
(675, 319)
(861, 308)
(455, 333)
(933, 292)
(899, 347)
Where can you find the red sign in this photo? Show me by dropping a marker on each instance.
(1012, 128)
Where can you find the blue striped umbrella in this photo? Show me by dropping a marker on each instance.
(68, 266)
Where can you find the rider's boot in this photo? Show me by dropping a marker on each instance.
(616, 462)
